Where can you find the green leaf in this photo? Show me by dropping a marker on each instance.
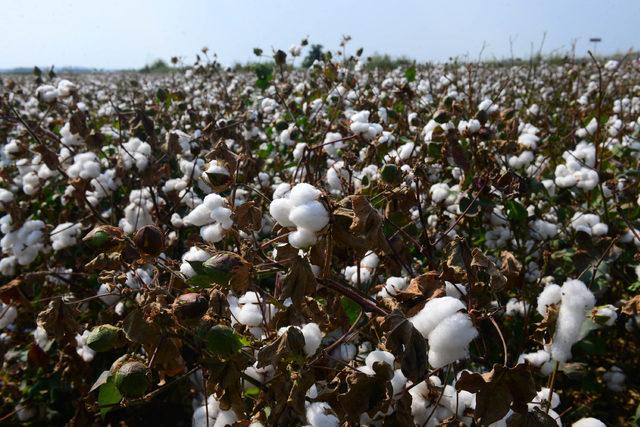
(351, 309)
(223, 341)
(410, 73)
(516, 212)
(108, 397)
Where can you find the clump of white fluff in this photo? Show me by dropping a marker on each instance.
(589, 223)
(64, 235)
(251, 311)
(212, 216)
(543, 230)
(212, 416)
(550, 295)
(368, 264)
(137, 213)
(85, 166)
(135, 152)
(448, 331)
(575, 304)
(360, 125)
(578, 169)
(300, 208)
(312, 336)
(615, 378)
(537, 358)
(320, 414)
(376, 356)
(21, 246)
(8, 314)
(393, 286)
(83, 350)
(588, 422)
(193, 254)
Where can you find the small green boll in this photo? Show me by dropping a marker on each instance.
(133, 379)
(104, 338)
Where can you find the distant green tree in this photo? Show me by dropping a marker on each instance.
(315, 52)
(158, 66)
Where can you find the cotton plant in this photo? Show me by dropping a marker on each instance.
(364, 273)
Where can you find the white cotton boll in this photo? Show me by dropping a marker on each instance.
(64, 235)
(449, 341)
(83, 350)
(135, 152)
(588, 422)
(66, 88)
(434, 312)
(282, 190)
(516, 307)
(312, 216)
(8, 315)
(248, 314)
(199, 216)
(544, 229)
(398, 382)
(576, 302)
(379, 356)
(543, 396)
(8, 265)
(528, 140)
(320, 414)
(312, 338)
(47, 93)
(393, 286)
(193, 254)
(40, 336)
(370, 260)
(605, 315)
(303, 193)
(6, 196)
(551, 294)
(108, 294)
(345, 352)
(439, 192)
(600, 229)
(615, 379)
(302, 238)
(212, 233)
(537, 358)
(457, 290)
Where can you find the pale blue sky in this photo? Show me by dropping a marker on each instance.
(130, 33)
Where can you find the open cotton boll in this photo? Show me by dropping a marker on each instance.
(64, 235)
(312, 338)
(537, 358)
(8, 315)
(82, 349)
(457, 290)
(450, 339)
(108, 294)
(360, 125)
(605, 315)
(434, 312)
(345, 352)
(281, 191)
(302, 238)
(212, 415)
(516, 307)
(379, 356)
(550, 295)
(85, 166)
(528, 140)
(135, 152)
(543, 229)
(311, 216)
(193, 254)
(47, 93)
(575, 304)
(320, 414)
(543, 396)
(303, 193)
(66, 88)
(615, 378)
(393, 286)
(588, 422)
(280, 210)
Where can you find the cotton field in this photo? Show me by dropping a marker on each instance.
(432, 245)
